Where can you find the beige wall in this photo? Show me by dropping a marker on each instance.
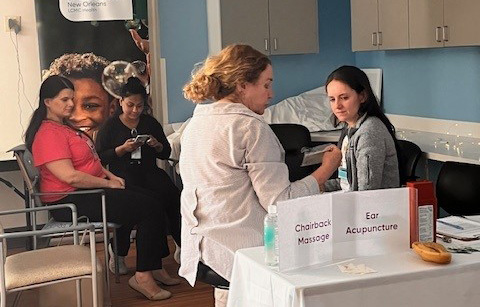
(14, 110)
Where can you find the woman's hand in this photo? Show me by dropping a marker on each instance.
(153, 142)
(114, 182)
(128, 146)
(332, 158)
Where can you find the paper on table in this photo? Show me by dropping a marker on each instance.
(459, 228)
(355, 269)
(313, 155)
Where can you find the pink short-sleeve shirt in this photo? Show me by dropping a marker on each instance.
(55, 141)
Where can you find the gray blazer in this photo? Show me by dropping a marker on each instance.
(371, 157)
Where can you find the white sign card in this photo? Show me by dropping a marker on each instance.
(371, 223)
(332, 226)
(93, 10)
(306, 231)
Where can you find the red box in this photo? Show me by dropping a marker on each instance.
(423, 211)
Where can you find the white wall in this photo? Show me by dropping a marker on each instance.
(14, 110)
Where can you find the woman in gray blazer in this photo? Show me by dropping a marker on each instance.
(368, 143)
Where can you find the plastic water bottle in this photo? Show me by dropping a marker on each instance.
(270, 237)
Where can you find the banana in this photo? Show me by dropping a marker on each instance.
(433, 252)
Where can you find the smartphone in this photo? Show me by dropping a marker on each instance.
(141, 138)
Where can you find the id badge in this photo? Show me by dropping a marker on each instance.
(342, 174)
(137, 153)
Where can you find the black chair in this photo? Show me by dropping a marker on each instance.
(458, 188)
(207, 275)
(410, 154)
(293, 138)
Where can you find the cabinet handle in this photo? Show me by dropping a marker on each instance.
(380, 38)
(437, 34)
(266, 44)
(374, 38)
(445, 34)
(275, 44)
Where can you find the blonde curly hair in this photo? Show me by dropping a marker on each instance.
(78, 66)
(220, 74)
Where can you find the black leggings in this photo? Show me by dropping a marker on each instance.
(131, 207)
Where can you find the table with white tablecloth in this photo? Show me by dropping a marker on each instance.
(402, 279)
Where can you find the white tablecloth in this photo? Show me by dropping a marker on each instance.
(401, 280)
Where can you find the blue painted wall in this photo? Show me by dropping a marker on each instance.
(294, 74)
(436, 83)
(184, 42)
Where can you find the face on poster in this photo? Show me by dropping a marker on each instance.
(97, 33)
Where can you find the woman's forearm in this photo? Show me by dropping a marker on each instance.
(120, 150)
(322, 174)
(83, 180)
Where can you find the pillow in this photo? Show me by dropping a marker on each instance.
(310, 109)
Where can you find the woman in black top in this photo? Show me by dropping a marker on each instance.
(136, 161)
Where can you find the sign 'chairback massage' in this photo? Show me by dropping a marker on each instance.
(332, 226)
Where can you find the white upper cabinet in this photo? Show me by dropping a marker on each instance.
(438, 23)
(271, 26)
(461, 22)
(364, 24)
(426, 23)
(379, 24)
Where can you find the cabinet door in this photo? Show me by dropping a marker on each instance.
(364, 24)
(462, 22)
(233, 21)
(426, 23)
(293, 26)
(392, 24)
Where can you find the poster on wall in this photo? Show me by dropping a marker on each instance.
(78, 39)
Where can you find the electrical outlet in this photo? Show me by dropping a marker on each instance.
(16, 19)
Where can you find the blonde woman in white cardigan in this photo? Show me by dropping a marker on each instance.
(231, 163)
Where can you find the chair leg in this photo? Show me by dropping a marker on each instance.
(115, 255)
(106, 237)
(78, 285)
(93, 259)
(3, 287)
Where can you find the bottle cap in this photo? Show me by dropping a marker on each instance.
(272, 209)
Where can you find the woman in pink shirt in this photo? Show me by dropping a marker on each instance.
(67, 161)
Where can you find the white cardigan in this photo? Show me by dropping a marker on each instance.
(232, 168)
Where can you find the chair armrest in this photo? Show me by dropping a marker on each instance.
(72, 207)
(94, 191)
(22, 234)
(44, 208)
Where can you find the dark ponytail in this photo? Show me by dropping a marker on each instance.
(49, 89)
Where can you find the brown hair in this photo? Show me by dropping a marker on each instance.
(220, 74)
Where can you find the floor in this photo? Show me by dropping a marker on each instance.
(183, 295)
